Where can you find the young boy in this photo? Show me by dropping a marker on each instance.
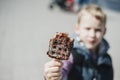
(89, 59)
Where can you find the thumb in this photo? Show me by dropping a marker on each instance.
(58, 62)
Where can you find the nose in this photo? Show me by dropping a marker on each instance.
(92, 33)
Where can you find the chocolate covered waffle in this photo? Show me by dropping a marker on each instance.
(60, 46)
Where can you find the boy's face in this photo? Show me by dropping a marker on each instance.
(90, 31)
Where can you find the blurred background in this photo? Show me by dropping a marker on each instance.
(27, 25)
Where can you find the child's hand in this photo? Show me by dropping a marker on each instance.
(52, 70)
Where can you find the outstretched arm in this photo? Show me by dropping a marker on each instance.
(67, 65)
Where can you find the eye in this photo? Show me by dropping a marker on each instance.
(98, 30)
(87, 28)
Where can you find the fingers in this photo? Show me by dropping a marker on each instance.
(54, 63)
(54, 75)
(53, 66)
(52, 70)
(55, 78)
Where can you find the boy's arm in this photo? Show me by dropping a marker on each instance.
(67, 65)
(57, 69)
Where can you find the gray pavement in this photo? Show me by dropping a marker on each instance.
(25, 29)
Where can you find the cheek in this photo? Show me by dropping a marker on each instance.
(99, 36)
(83, 35)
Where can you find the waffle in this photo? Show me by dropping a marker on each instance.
(60, 46)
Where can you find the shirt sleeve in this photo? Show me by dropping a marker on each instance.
(67, 64)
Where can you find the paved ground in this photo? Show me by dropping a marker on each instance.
(25, 29)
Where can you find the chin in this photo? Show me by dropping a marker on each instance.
(91, 47)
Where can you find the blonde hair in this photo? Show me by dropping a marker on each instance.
(94, 10)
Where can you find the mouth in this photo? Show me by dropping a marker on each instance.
(92, 41)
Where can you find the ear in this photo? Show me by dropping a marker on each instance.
(105, 31)
(76, 28)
